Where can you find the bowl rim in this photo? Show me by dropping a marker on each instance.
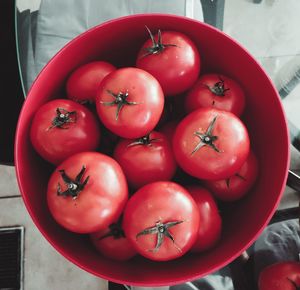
(177, 280)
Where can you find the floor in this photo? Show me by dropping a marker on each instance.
(268, 24)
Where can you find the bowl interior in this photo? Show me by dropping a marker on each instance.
(118, 41)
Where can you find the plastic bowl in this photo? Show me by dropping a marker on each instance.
(118, 41)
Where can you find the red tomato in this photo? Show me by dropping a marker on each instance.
(113, 244)
(146, 160)
(216, 91)
(210, 220)
(238, 185)
(87, 192)
(61, 128)
(130, 102)
(280, 276)
(161, 220)
(180, 176)
(172, 58)
(211, 144)
(83, 83)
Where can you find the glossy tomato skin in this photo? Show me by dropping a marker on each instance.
(164, 202)
(144, 94)
(116, 248)
(100, 202)
(83, 83)
(210, 220)
(55, 144)
(176, 67)
(200, 95)
(148, 162)
(229, 136)
(238, 185)
(279, 276)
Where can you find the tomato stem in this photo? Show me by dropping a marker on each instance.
(157, 46)
(74, 186)
(218, 88)
(237, 175)
(115, 231)
(207, 138)
(120, 100)
(62, 118)
(145, 140)
(162, 231)
(240, 176)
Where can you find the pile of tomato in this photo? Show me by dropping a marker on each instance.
(144, 152)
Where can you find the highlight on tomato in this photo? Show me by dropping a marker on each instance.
(282, 275)
(147, 159)
(161, 220)
(112, 243)
(61, 128)
(172, 58)
(210, 220)
(211, 144)
(130, 102)
(216, 91)
(238, 185)
(87, 192)
(83, 83)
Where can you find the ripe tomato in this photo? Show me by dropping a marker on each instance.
(130, 102)
(161, 220)
(113, 244)
(146, 159)
(216, 91)
(83, 83)
(211, 144)
(61, 128)
(87, 192)
(210, 220)
(238, 185)
(172, 58)
(280, 276)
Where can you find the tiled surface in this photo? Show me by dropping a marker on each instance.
(44, 268)
(8, 182)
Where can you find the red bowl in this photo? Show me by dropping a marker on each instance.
(118, 41)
